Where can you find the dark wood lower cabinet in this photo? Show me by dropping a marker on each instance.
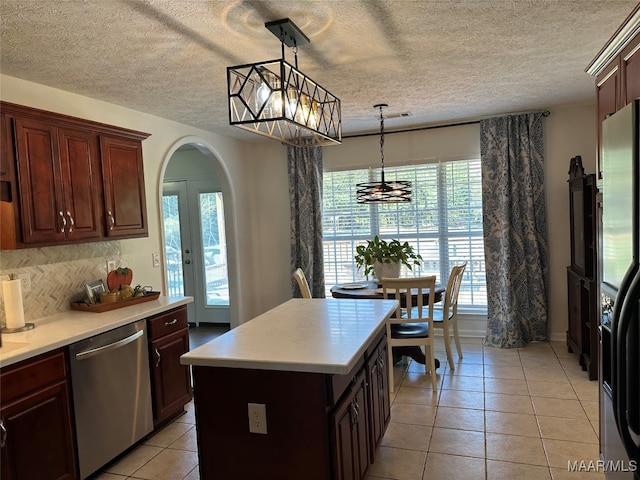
(170, 381)
(351, 428)
(379, 403)
(36, 416)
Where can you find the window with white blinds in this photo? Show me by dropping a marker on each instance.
(443, 222)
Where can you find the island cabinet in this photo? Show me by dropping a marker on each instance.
(362, 416)
(351, 431)
(35, 420)
(314, 366)
(67, 180)
(170, 381)
(378, 391)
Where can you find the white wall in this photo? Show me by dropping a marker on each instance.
(270, 221)
(568, 132)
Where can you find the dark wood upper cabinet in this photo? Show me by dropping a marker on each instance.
(81, 173)
(123, 180)
(67, 180)
(58, 181)
(608, 100)
(617, 71)
(39, 182)
(630, 70)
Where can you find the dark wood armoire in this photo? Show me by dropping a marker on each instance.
(582, 274)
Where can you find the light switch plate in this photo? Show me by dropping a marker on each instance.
(155, 257)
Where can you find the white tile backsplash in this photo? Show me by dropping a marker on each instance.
(58, 274)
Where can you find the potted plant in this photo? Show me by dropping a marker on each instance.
(384, 259)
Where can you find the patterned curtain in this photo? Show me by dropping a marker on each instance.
(515, 230)
(305, 194)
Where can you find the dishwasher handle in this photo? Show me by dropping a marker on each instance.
(112, 346)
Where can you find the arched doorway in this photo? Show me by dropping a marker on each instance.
(196, 207)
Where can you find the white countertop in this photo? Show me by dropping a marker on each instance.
(301, 335)
(72, 326)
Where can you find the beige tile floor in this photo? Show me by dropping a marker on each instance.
(501, 414)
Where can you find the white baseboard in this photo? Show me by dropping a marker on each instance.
(476, 326)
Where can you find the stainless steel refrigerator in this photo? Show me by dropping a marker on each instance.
(620, 290)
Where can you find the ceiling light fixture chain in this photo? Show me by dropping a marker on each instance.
(381, 106)
(395, 191)
(295, 54)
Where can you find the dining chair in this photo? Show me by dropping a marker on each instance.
(446, 318)
(302, 283)
(413, 328)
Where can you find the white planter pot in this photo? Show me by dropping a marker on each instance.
(388, 270)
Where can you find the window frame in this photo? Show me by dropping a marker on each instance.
(475, 271)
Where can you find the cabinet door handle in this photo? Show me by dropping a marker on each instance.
(112, 221)
(64, 221)
(157, 357)
(172, 322)
(3, 434)
(71, 221)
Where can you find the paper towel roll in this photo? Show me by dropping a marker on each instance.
(12, 292)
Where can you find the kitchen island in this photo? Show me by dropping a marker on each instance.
(313, 374)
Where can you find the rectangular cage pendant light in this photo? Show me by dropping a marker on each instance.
(275, 99)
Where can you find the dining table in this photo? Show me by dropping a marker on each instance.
(372, 290)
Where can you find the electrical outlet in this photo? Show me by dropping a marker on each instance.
(25, 280)
(155, 258)
(258, 418)
(111, 265)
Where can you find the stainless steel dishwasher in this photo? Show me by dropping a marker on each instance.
(111, 394)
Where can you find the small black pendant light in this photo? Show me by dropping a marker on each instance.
(394, 191)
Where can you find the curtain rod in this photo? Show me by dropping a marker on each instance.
(545, 113)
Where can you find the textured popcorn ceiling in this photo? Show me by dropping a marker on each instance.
(443, 61)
